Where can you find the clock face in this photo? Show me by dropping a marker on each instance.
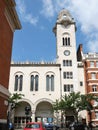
(66, 52)
(64, 15)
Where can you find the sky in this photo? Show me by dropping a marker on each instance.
(36, 40)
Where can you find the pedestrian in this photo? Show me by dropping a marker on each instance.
(11, 126)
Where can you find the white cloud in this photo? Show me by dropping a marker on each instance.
(48, 9)
(92, 43)
(25, 16)
(84, 12)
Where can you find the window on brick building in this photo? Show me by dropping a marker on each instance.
(94, 88)
(93, 75)
(49, 82)
(96, 63)
(95, 103)
(18, 82)
(91, 63)
(96, 115)
(34, 82)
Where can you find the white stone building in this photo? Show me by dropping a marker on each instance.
(42, 83)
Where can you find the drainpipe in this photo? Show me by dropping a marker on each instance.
(60, 83)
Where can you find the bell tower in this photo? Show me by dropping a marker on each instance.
(64, 30)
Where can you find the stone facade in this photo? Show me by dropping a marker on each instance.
(42, 83)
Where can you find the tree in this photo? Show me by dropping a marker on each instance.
(68, 103)
(13, 100)
(87, 104)
(74, 103)
(12, 104)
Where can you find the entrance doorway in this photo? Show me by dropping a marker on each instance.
(44, 112)
(20, 118)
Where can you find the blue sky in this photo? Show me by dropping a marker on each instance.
(36, 41)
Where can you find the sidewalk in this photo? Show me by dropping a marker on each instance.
(58, 129)
(18, 129)
(66, 129)
(63, 129)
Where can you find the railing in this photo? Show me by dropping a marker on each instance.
(90, 55)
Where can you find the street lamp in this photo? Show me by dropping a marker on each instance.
(27, 111)
(90, 116)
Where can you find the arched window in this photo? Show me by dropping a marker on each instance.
(50, 83)
(47, 83)
(66, 41)
(63, 41)
(18, 82)
(34, 83)
(21, 82)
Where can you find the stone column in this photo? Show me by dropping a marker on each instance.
(33, 115)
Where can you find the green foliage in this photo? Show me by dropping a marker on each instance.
(14, 98)
(75, 102)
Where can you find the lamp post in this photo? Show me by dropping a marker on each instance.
(8, 121)
(90, 117)
(27, 111)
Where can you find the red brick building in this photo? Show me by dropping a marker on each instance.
(90, 61)
(9, 22)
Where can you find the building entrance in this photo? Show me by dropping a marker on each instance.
(44, 112)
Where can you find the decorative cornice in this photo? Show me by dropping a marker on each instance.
(12, 14)
(11, 2)
(27, 63)
(90, 56)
